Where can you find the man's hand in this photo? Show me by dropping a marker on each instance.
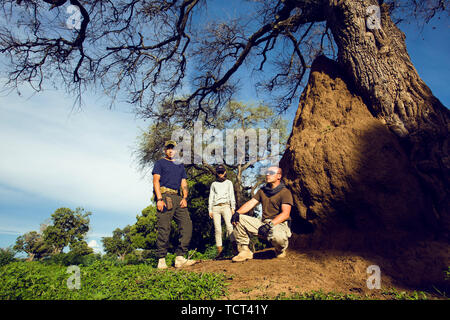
(183, 203)
(235, 218)
(264, 230)
(211, 215)
(160, 205)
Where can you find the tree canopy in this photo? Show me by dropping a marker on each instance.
(69, 227)
(120, 243)
(247, 121)
(33, 244)
(157, 51)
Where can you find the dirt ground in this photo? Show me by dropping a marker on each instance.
(266, 276)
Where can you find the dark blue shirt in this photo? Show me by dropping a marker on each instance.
(171, 173)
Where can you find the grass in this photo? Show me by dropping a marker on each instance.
(111, 280)
(387, 294)
(103, 280)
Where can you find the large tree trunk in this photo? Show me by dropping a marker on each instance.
(377, 63)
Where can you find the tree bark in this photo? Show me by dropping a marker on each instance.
(377, 63)
(238, 188)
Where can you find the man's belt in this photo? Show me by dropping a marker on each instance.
(168, 190)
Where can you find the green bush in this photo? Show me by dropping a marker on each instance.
(106, 280)
(69, 259)
(149, 257)
(394, 294)
(6, 256)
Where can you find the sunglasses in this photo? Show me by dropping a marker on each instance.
(271, 173)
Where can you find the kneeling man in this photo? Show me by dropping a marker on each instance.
(276, 202)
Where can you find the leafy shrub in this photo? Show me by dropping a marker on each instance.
(6, 256)
(394, 294)
(150, 259)
(106, 280)
(210, 253)
(69, 259)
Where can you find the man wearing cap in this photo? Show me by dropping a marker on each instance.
(276, 202)
(168, 177)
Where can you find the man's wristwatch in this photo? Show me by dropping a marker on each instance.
(160, 199)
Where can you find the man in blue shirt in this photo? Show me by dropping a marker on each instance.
(168, 178)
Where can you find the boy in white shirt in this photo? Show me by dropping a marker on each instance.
(221, 204)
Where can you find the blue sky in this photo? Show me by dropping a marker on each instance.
(55, 156)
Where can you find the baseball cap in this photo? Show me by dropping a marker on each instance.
(220, 168)
(170, 143)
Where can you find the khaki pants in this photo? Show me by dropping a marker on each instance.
(219, 212)
(279, 237)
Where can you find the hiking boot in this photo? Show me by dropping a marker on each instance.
(162, 263)
(280, 254)
(219, 252)
(244, 254)
(181, 261)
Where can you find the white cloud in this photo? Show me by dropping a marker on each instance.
(81, 158)
(94, 245)
(11, 232)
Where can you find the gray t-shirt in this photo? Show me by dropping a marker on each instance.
(221, 192)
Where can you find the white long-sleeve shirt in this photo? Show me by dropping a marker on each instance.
(221, 192)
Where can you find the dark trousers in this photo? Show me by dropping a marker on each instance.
(183, 220)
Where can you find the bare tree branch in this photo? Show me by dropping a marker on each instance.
(155, 51)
